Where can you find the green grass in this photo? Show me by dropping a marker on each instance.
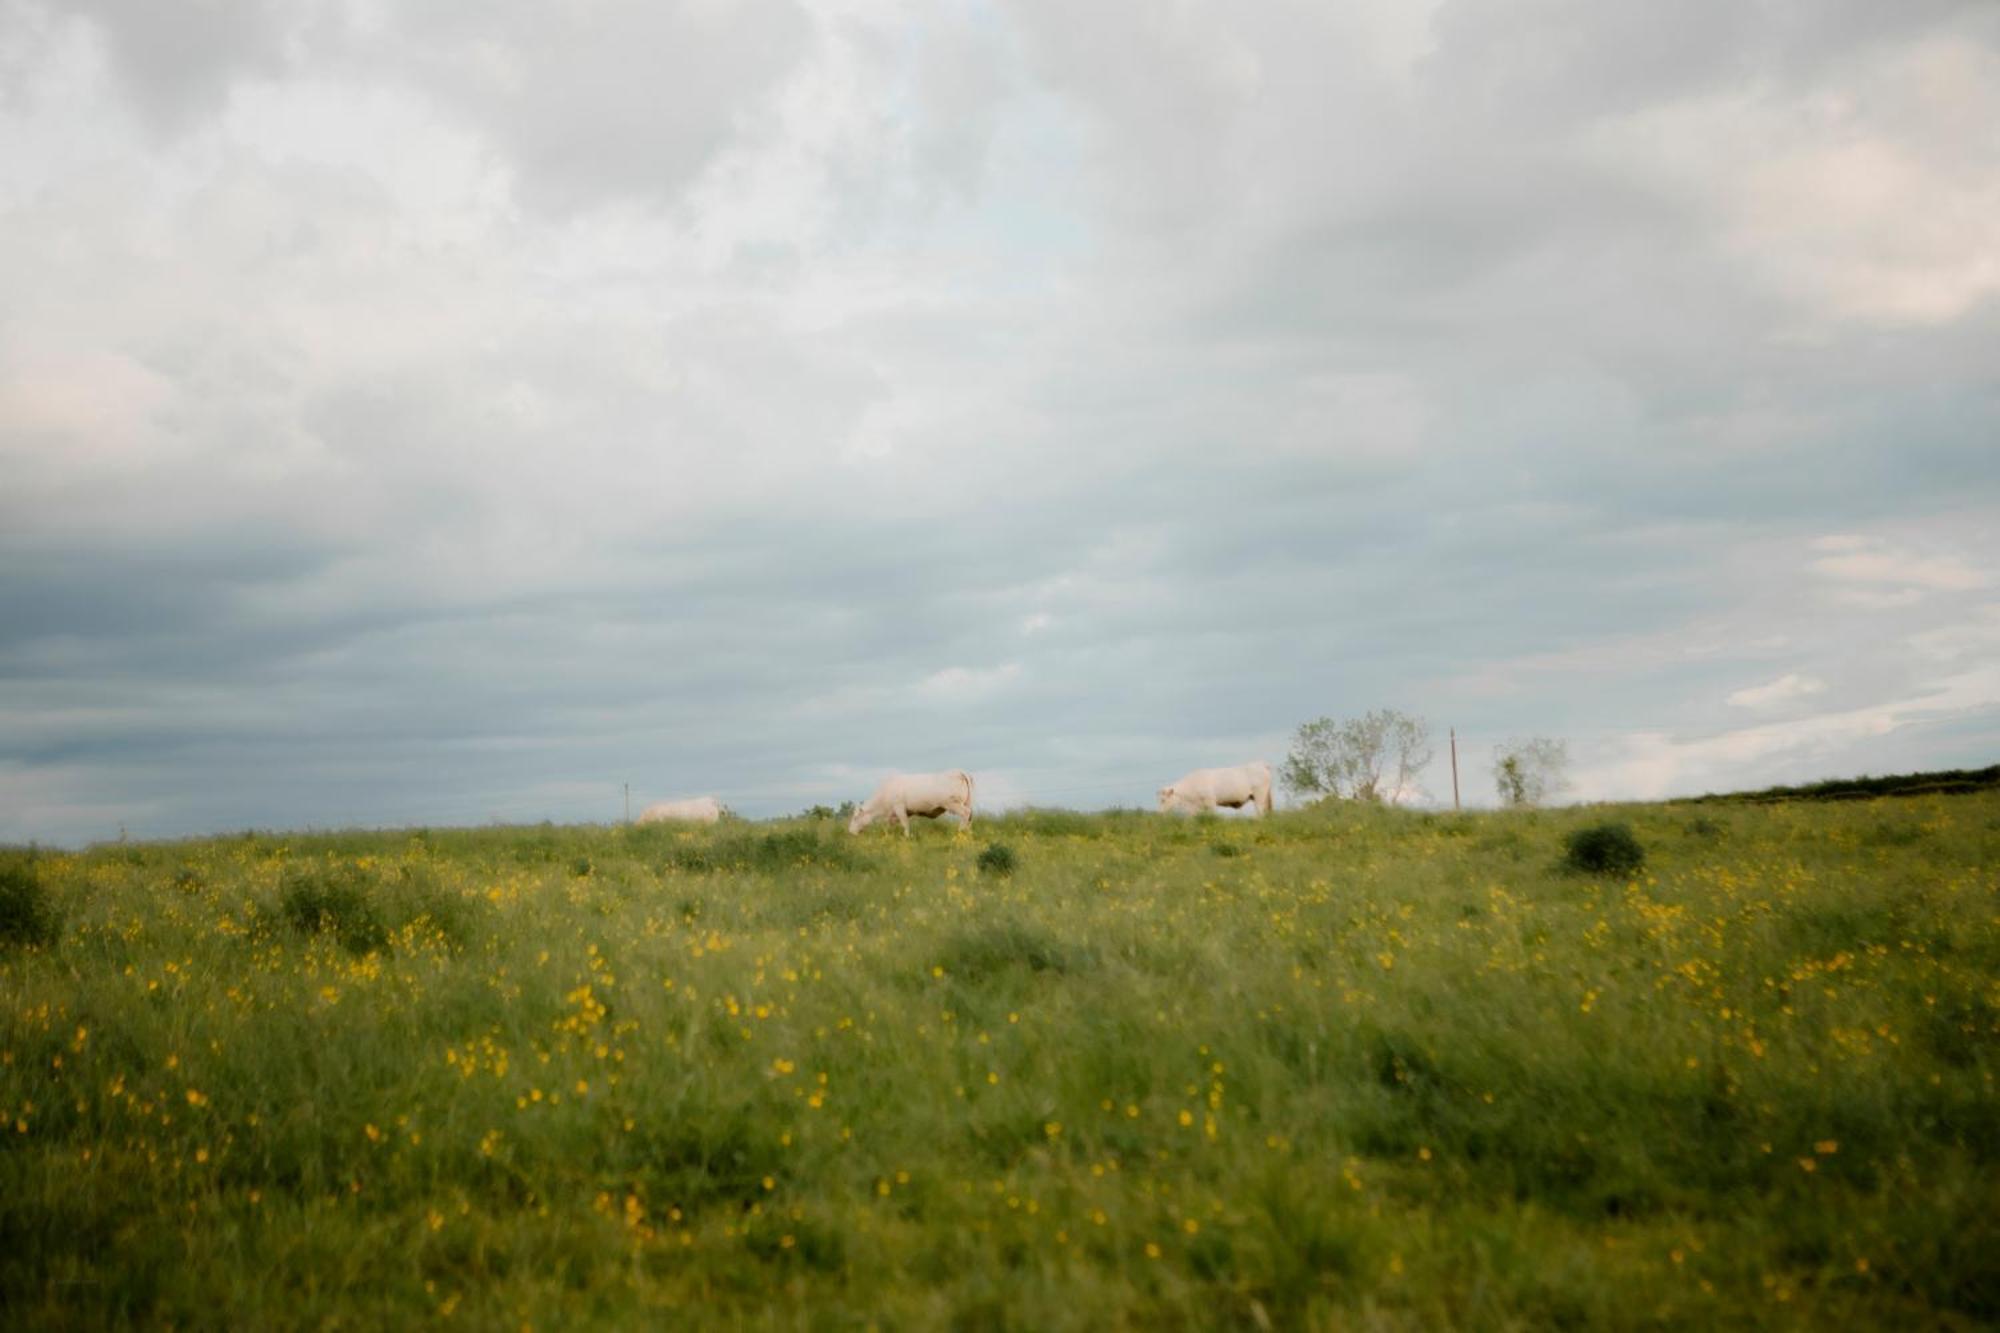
(1345, 1067)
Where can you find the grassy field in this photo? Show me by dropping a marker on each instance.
(1344, 1068)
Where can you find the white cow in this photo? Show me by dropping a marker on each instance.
(699, 810)
(1206, 788)
(925, 794)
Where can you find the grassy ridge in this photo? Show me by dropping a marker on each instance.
(1344, 1065)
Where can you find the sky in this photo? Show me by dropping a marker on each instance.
(458, 412)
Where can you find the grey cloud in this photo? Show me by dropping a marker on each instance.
(179, 61)
(1540, 62)
(95, 594)
(1073, 394)
(964, 76)
(629, 100)
(28, 37)
(590, 104)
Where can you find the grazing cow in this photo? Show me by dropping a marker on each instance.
(926, 794)
(699, 810)
(1206, 788)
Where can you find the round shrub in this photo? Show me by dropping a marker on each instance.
(336, 899)
(1605, 849)
(997, 859)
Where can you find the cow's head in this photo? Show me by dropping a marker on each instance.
(1166, 798)
(861, 818)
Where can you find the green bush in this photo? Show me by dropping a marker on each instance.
(1605, 849)
(25, 915)
(414, 894)
(335, 899)
(997, 859)
(369, 910)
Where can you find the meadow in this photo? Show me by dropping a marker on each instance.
(1343, 1068)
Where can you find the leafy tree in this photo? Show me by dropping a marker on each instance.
(1528, 772)
(1374, 757)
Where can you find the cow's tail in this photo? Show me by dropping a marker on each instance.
(968, 796)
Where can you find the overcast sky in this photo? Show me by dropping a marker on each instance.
(451, 412)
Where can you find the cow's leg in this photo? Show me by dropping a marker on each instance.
(903, 818)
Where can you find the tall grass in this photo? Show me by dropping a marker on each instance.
(1345, 1066)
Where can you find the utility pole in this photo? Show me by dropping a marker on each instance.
(1454, 768)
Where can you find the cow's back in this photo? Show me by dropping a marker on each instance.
(926, 791)
(695, 810)
(1235, 786)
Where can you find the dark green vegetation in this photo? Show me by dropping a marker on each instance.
(26, 919)
(1346, 1067)
(997, 859)
(1943, 782)
(1609, 848)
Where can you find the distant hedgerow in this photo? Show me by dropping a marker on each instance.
(25, 915)
(1605, 849)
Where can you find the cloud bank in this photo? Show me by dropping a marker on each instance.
(456, 413)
